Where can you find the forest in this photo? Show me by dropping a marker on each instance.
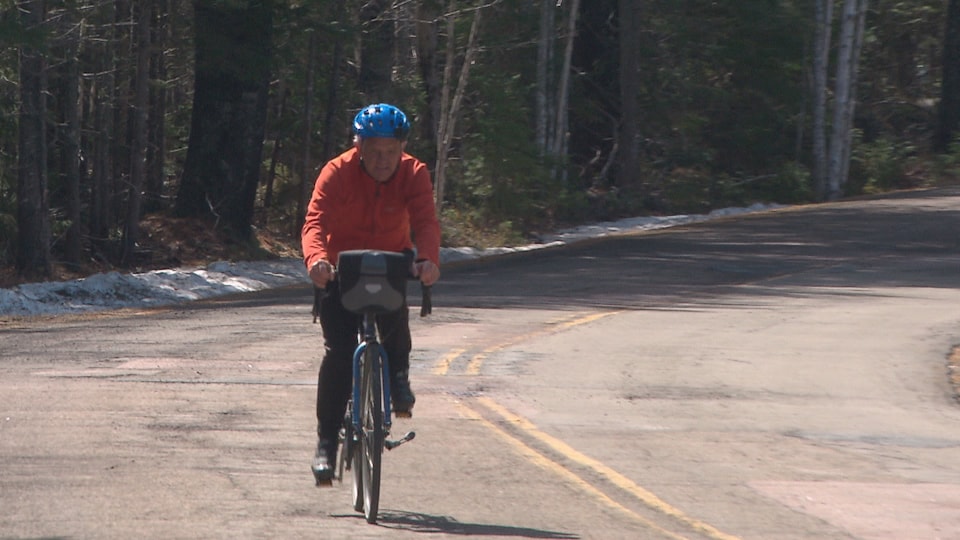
(532, 115)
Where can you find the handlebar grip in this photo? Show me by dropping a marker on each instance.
(426, 303)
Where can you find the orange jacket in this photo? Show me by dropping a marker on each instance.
(351, 210)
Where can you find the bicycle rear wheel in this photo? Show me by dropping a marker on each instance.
(371, 432)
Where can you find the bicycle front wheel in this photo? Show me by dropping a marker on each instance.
(371, 431)
(350, 456)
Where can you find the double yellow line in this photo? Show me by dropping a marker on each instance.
(648, 499)
(644, 496)
(475, 362)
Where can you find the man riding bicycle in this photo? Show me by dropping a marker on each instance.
(373, 196)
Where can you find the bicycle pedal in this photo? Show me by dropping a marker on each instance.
(322, 478)
(390, 445)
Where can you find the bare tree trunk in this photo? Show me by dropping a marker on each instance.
(33, 225)
(271, 178)
(100, 164)
(630, 84)
(948, 114)
(138, 151)
(122, 90)
(376, 50)
(222, 167)
(844, 95)
(307, 179)
(73, 251)
(545, 47)
(102, 96)
(443, 123)
(102, 91)
(156, 119)
(823, 17)
(450, 108)
(427, 15)
(558, 149)
(333, 98)
(859, 32)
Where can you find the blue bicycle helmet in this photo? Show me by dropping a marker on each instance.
(381, 120)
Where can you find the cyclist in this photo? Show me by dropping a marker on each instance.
(373, 196)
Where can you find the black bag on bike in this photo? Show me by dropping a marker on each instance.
(373, 281)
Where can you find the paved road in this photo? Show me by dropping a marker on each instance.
(776, 376)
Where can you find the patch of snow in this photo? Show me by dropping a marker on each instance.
(113, 290)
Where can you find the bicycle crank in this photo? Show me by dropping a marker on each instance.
(390, 445)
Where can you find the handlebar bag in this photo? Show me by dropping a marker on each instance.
(372, 281)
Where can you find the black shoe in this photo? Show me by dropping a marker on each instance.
(324, 461)
(402, 395)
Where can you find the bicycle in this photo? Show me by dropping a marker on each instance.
(371, 282)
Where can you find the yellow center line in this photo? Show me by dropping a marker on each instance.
(624, 483)
(476, 362)
(443, 365)
(546, 463)
(585, 319)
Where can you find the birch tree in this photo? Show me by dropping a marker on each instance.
(823, 19)
(853, 19)
(545, 58)
(451, 96)
(561, 124)
(553, 86)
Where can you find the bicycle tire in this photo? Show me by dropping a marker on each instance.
(356, 468)
(349, 459)
(372, 435)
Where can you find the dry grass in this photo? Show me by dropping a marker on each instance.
(953, 370)
(168, 242)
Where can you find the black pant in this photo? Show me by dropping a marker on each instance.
(340, 329)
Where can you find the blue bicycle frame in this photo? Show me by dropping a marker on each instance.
(369, 337)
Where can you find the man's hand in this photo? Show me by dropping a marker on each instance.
(427, 272)
(320, 273)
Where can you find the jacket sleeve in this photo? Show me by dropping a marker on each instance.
(423, 216)
(314, 235)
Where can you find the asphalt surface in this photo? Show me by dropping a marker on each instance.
(786, 375)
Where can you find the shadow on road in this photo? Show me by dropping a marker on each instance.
(426, 523)
(906, 240)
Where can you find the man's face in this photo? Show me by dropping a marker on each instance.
(381, 155)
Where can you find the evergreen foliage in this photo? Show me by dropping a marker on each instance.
(724, 92)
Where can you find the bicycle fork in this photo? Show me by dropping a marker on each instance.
(385, 396)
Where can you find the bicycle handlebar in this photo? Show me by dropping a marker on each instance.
(426, 298)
